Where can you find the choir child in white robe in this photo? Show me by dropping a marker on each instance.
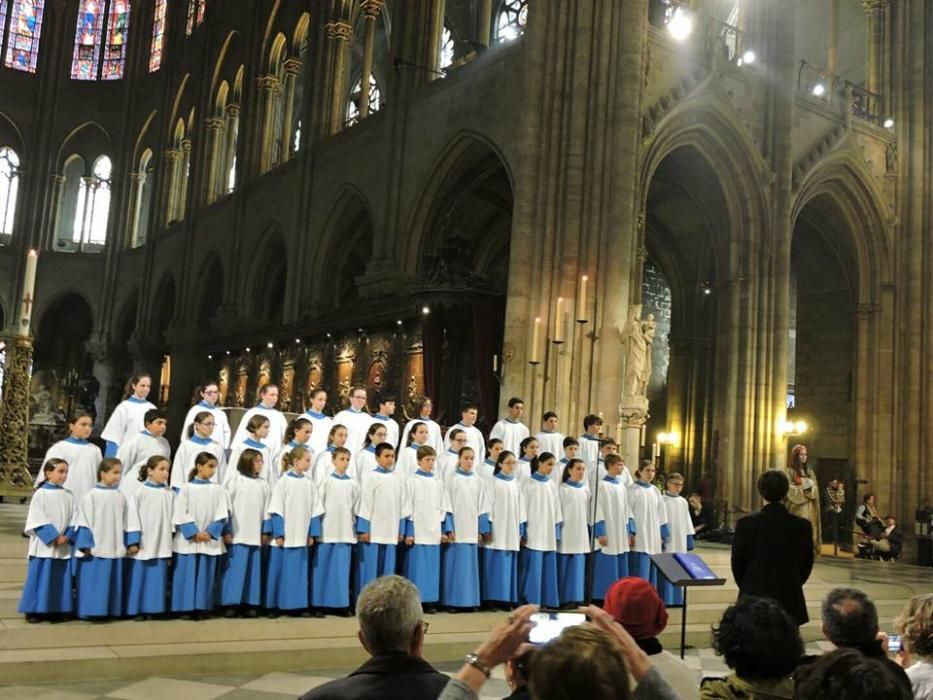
(278, 423)
(257, 431)
(324, 462)
(510, 429)
(127, 418)
(380, 519)
(135, 451)
(248, 529)
(680, 531)
(460, 587)
(468, 415)
(423, 408)
(549, 438)
(197, 440)
(614, 528)
(424, 528)
(100, 544)
(508, 522)
(295, 512)
(384, 416)
(527, 452)
(537, 562)
(50, 527)
(297, 434)
(149, 533)
(590, 442)
(416, 438)
(570, 449)
(206, 398)
(651, 528)
(447, 462)
(574, 542)
(355, 419)
(199, 516)
(320, 421)
(82, 456)
(330, 570)
(365, 461)
(487, 468)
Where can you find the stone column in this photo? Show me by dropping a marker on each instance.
(173, 174)
(292, 70)
(137, 181)
(338, 72)
(484, 30)
(832, 57)
(185, 168)
(268, 86)
(57, 190)
(876, 11)
(230, 144)
(371, 9)
(213, 183)
(15, 479)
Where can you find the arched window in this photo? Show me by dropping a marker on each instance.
(196, 9)
(142, 204)
(296, 138)
(94, 58)
(158, 36)
(9, 185)
(447, 48)
(353, 106)
(93, 207)
(21, 28)
(512, 19)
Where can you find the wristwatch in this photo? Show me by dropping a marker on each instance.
(476, 662)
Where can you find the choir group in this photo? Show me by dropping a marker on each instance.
(297, 517)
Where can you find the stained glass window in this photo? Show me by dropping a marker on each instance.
(375, 100)
(93, 208)
(2, 21)
(196, 10)
(9, 185)
(447, 48)
(22, 46)
(512, 19)
(158, 36)
(94, 57)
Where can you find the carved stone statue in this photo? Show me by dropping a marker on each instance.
(44, 408)
(637, 337)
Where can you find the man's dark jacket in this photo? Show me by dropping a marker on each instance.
(385, 677)
(772, 556)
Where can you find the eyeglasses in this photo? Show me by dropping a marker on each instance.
(424, 625)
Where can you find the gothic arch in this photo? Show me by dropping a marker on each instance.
(466, 158)
(162, 305)
(348, 229)
(89, 141)
(43, 306)
(177, 103)
(10, 135)
(144, 139)
(843, 183)
(268, 276)
(229, 58)
(209, 292)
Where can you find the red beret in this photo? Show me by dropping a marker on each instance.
(636, 606)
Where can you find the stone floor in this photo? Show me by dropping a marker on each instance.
(270, 659)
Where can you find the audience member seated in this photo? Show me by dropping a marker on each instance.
(392, 632)
(868, 518)
(518, 672)
(635, 604)
(847, 674)
(590, 661)
(891, 542)
(850, 620)
(701, 515)
(915, 624)
(761, 643)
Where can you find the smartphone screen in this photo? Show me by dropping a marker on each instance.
(894, 643)
(548, 625)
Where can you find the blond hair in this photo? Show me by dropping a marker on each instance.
(916, 624)
(289, 459)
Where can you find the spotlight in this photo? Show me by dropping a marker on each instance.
(425, 310)
(399, 322)
(210, 357)
(297, 341)
(329, 336)
(680, 25)
(247, 349)
(819, 89)
(707, 291)
(269, 345)
(889, 123)
(748, 57)
(228, 353)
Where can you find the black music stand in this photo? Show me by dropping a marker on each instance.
(674, 572)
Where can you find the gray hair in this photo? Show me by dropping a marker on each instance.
(389, 611)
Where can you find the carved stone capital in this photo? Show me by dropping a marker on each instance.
(172, 156)
(292, 66)
(874, 6)
(372, 8)
(232, 111)
(339, 29)
(99, 348)
(267, 83)
(215, 124)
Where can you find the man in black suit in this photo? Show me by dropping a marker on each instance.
(772, 551)
(392, 631)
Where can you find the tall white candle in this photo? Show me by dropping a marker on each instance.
(535, 336)
(581, 303)
(28, 297)
(559, 321)
(495, 364)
